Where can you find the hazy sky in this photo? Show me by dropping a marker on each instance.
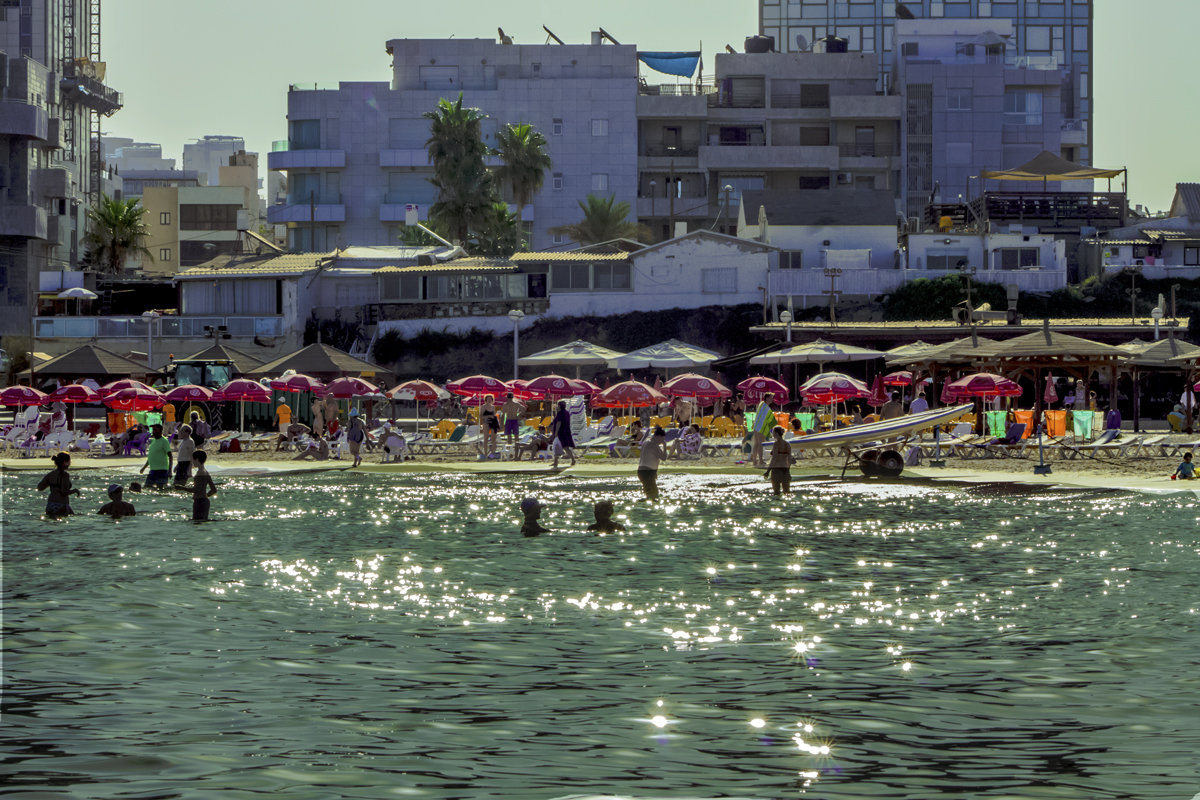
(222, 67)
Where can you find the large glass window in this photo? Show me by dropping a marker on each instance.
(611, 276)
(1017, 257)
(305, 134)
(1022, 106)
(570, 277)
(719, 280)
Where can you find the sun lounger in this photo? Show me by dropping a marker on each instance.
(1110, 446)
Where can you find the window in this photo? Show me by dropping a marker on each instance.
(1191, 256)
(946, 259)
(305, 134)
(814, 95)
(164, 254)
(556, 182)
(556, 127)
(599, 127)
(910, 49)
(959, 99)
(397, 286)
(1022, 106)
(599, 181)
(441, 287)
(1079, 38)
(1037, 39)
(537, 69)
(610, 276)
(570, 277)
(719, 280)
(813, 182)
(558, 238)
(1017, 257)
(164, 218)
(208, 217)
(791, 259)
(864, 141)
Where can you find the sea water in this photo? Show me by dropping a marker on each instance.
(370, 636)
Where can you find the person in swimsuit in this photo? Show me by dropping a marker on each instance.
(560, 430)
(58, 504)
(203, 487)
(780, 466)
(654, 451)
(489, 425)
(604, 522)
(356, 436)
(531, 509)
(539, 443)
(512, 411)
(116, 507)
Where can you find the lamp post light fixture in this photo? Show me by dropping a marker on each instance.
(150, 316)
(516, 315)
(785, 317)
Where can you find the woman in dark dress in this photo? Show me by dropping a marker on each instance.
(560, 430)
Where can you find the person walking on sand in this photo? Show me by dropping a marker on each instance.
(654, 452)
(512, 411)
(200, 429)
(116, 507)
(489, 424)
(560, 432)
(919, 404)
(203, 488)
(158, 459)
(183, 456)
(780, 466)
(58, 504)
(283, 417)
(355, 437)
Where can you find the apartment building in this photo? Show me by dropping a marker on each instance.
(356, 161)
(1052, 34)
(189, 225)
(771, 121)
(206, 155)
(51, 168)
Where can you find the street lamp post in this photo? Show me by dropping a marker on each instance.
(1132, 292)
(785, 317)
(833, 273)
(516, 315)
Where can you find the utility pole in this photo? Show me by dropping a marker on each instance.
(833, 273)
(671, 202)
(1174, 288)
(1132, 292)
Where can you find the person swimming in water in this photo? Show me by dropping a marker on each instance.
(532, 509)
(116, 507)
(604, 522)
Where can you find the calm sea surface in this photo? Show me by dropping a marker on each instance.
(375, 636)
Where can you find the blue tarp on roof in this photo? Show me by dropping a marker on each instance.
(682, 64)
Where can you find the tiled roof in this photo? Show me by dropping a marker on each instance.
(250, 266)
(570, 255)
(1189, 196)
(469, 264)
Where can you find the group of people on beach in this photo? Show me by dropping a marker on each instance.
(158, 461)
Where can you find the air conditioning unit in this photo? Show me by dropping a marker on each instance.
(845, 178)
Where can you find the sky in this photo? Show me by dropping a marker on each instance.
(191, 69)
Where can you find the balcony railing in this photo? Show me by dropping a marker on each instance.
(814, 282)
(671, 151)
(677, 89)
(165, 327)
(877, 150)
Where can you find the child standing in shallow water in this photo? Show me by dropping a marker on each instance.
(58, 504)
(203, 487)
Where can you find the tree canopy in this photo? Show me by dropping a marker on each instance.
(116, 232)
(603, 219)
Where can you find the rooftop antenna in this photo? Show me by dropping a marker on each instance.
(504, 38)
(801, 43)
(550, 33)
(605, 34)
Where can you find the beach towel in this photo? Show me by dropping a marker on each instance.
(996, 423)
(1083, 425)
(1025, 417)
(808, 421)
(1056, 423)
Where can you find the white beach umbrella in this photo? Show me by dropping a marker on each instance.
(819, 352)
(577, 354)
(669, 354)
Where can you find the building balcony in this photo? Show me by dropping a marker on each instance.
(169, 327)
(685, 208)
(762, 157)
(871, 282)
(865, 107)
(24, 221)
(409, 157)
(320, 211)
(306, 159)
(53, 182)
(90, 92)
(58, 231)
(1074, 132)
(673, 102)
(18, 118)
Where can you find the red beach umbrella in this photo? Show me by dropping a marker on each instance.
(879, 394)
(833, 387)
(125, 383)
(242, 390)
(189, 393)
(555, 386)
(1050, 395)
(520, 390)
(754, 388)
(589, 387)
(420, 391)
(477, 386)
(73, 393)
(898, 379)
(629, 394)
(704, 390)
(346, 388)
(297, 383)
(136, 399)
(22, 396)
(983, 384)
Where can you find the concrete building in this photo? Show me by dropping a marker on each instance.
(1052, 34)
(135, 156)
(1031, 262)
(53, 91)
(356, 159)
(772, 121)
(1167, 247)
(190, 225)
(968, 106)
(242, 172)
(206, 156)
(137, 181)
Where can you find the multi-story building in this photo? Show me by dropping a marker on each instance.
(968, 107)
(208, 154)
(356, 159)
(189, 225)
(242, 172)
(772, 121)
(51, 167)
(136, 156)
(1050, 33)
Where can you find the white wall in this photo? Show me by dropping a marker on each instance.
(1052, 253)
(879, 239)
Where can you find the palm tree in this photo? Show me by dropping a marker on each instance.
(116, 232)
(460, 174)
(522, 149)
(500, 235)
(603, 219)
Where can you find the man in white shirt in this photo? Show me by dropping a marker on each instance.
(919, 404)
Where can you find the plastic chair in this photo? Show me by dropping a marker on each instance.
(137, 443)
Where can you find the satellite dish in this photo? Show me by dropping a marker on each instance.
(801, 43)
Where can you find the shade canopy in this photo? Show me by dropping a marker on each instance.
(136, 398)
(419, 391)
(77, 293)
(478, 386)
(981, 384)
(189, 393)
(117, 386)
(242, 363)
(73, 393)
(577, 353)
(696, 386)
(1046, 166)
(833, 387)
(242, 389)
(91, 361)
(22, 396)
(756, 387)
(1165, 353)
(629, 394)
(557, 386)
(320, 361)
(913, 351)
(818, 352)
(667, 355)
(1050, 344)
(349, 387)
(298, 383)
(968, 349)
